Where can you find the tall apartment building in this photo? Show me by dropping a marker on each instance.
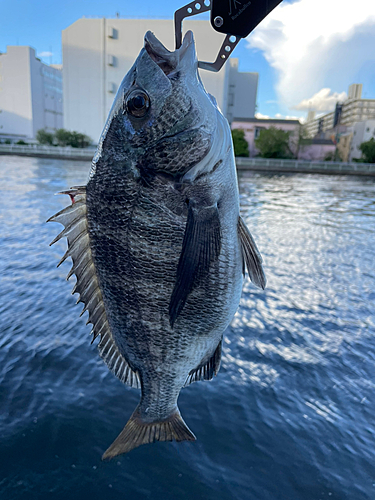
(30, 94)
(353, 110)
(97, 53)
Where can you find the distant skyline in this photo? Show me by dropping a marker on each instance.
(307, 52)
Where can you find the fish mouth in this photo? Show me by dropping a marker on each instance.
(168, 61)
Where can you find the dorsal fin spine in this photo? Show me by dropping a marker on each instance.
(74, 220)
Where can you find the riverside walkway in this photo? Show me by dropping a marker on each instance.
(243, 164)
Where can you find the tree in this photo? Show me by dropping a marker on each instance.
(78, 140)
(241, 147)
(368, 151)
(63, 137)
(44, 137)
(274, 143)
(73, 139)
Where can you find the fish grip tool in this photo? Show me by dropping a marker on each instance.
(235, 18)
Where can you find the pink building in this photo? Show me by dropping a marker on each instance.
(253, 126)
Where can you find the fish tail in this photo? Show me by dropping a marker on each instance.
(137, 432)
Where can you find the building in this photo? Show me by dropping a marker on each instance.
(97, 53)
(242, 91)
(361, 132)
(30, 94)
(253, 126)
(353, 110)
(344, 144)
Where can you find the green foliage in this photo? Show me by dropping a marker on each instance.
(241, 147)
(7, 141)
(21, 143)
(368, 151)
(78, 140)
(73, 139)
(63, 138)
(44, 137)
(273, 143)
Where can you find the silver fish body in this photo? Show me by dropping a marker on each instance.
(157, 242)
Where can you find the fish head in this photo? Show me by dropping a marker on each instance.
(162, 118)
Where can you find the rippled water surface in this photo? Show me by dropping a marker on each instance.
(290, 415)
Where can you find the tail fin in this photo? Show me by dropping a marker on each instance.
(136, 432)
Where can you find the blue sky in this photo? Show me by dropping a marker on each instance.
(306, 52)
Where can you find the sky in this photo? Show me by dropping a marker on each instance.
(307, 52)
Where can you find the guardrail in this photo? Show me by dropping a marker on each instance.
(261, 164)
(321, 167)
(47, 151)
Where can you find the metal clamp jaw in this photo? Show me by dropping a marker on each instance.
(235, 18)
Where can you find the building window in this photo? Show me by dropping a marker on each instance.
(112, 32)
(257, 131)
(111, 87)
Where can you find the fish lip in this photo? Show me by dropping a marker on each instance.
(168, 61)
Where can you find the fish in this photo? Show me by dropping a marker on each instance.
(158, 246)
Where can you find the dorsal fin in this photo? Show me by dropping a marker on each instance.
(74, 220)
(207, 369)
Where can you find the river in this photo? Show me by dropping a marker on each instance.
(290, 415)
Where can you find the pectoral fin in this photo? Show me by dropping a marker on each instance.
(201, 247)
(251, 256)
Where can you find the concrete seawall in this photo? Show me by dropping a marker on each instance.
(243, 164)
(313, 167)
(47, 152)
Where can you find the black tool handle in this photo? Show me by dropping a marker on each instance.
(239, 17)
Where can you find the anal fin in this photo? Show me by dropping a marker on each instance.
(206, 370)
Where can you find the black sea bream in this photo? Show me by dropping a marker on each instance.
(157, 242)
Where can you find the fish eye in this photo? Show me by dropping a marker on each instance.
(138, 103)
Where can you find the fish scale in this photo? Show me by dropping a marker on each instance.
(157, 242)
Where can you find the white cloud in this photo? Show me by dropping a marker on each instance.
(324, 100)
(45, 54)
(314, 44)
(286, 117)
(277, 116)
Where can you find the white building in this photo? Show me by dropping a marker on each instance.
(30, 94)
(362, 132)
(354, 109)
(97, 53)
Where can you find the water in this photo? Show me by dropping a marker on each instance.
(291, 414)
